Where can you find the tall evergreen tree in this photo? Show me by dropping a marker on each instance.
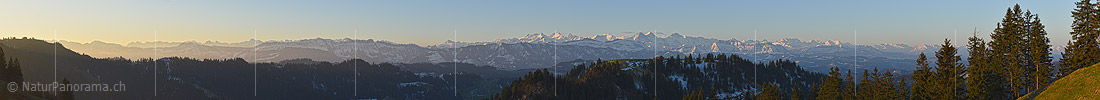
(903, 89)
(1083, 50)
(865, 88)
(947, 72)
(922, 85)
(886, 86)
(1038, 52)
(3, 59)
(16, 70)
(8, 71)
(849, 86)
(1009, 48)
(984, 82)
(829, 88)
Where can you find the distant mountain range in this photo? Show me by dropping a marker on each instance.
(537, 50)
(191, 78)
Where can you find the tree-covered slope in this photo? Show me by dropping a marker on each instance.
(710, 76)
(1083, 84)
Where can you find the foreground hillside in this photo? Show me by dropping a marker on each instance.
(1083, 84)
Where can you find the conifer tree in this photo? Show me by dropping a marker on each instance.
(886, 87)
(1038, 52)
(829, 88)
(769, 92)
(865, 89)
(984, 82)
(1008, 49)
(921, 87)
(1083, 50)
(849, 86)
(16, 70)
(903, 89)
(947, 68)
(3, 59)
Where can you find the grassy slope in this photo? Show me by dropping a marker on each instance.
(1083, 84)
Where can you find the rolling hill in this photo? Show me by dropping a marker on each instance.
(1081, 85)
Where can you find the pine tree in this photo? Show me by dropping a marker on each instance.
(829, 88)
(3, 59)
(1038, 52)
(983, 83)
(865, 89)
(769, 92)
(849, 86)
(887, 87)
(1083, 50)
(902, 87)
(8, 71)
(795, 95)
(699, 95)
(16, 70)
(947, 77)
(921, 87)
(1008, 49)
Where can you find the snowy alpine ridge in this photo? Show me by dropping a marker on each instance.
(535, 50)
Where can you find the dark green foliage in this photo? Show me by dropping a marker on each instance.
(1084, 48)
(700, 94)
(534, 85)
(984, 81)
(874, 86)
(829, 88)
(865, 90)
(677, 78)
(947, 78)
(1038, 51)
(922, 87)
(769, 92)
(1019, 44)
(1007, 49)
(886, 86)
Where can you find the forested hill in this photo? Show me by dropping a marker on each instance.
(235, 79)
(710, 76)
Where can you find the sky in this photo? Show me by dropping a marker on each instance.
(431, 22)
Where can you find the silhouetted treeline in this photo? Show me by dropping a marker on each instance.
(692, 77)
(11, 71)
(1015, 62)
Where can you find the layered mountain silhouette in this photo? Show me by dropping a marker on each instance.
(536, 50)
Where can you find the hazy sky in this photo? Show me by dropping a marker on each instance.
(427, 22)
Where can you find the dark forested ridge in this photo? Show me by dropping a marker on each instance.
(12, 71)
(701, 77)
(187, 78)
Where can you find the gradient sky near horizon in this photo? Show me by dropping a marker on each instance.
(430, 22)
